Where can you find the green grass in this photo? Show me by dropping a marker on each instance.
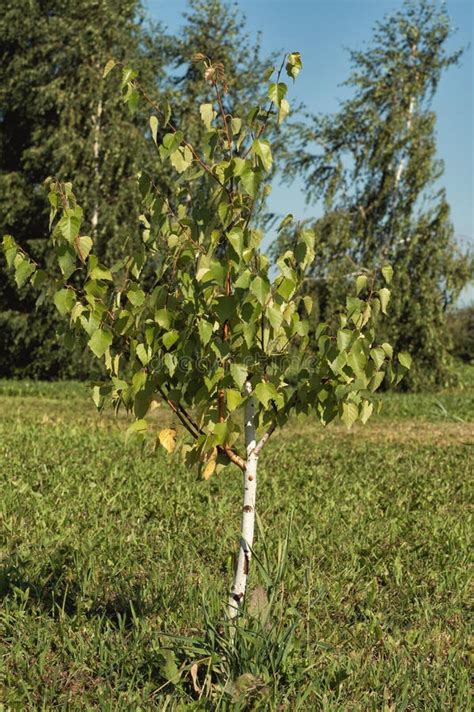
(115, 563)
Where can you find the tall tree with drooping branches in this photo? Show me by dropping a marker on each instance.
(374, 166)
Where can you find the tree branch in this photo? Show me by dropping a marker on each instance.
(263, 440)
(179, 411)
(172, 128)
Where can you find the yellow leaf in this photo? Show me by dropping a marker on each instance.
(167, 438)
(210, 465)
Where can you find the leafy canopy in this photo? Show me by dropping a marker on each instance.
(213, 316)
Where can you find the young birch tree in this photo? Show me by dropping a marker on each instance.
(213, 334)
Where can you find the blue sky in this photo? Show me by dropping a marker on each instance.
(320, 30)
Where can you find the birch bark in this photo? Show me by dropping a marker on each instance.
(247, 528)
(96, 150)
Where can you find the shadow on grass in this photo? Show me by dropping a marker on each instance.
(57, 590)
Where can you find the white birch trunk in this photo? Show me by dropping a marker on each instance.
(401, 165)
(242, 569)
(95, 149)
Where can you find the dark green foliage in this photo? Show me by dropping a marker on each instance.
(461, 327)
(374, 165)
(60, 118)
(107, 554)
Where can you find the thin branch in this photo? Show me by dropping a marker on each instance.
(224, 117)
(178, 413)
(263, 440)
(268, 112)
(189, 424)
(173, 129)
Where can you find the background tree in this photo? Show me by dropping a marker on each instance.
(461, 327)
(59, 117)
(374, 165)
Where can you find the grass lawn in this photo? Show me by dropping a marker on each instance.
(115, 564)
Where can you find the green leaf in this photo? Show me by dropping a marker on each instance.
(266, 392)
(10, 249)
(24, 270)
(234, 398)
(263, 150)
(384, 296)
(70, 223)
(344, 339)
(361, 283)
(283, 110)
(170, 338)
(207, 114)
(143, 354)
(405, 359)
(387, 271)
(286, 288)
(128, 75)
(99, 342)
(168, 667)
(277, 92)
(235, 125)
(350, 413)
(136, 296)
(83, 246)
(366, 411)
(274, 316)
(108, 67)
(171, 142)
(236, 239)
(239, 374)
(203, 267)
(294, 65)
(163, 317)
(132, 99)
(260, 288)
(220, 433)
(244, 280)
(205, 329)
(101, 273)
(224, 307)
(39, 278)
(181, 159)
(166, 111)
(250, 180)
(378, 356)
(142, 401)
(170, 362)
(64, 301)
(308, 303)
(66, 260)
(154, 127)
(357, 358)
